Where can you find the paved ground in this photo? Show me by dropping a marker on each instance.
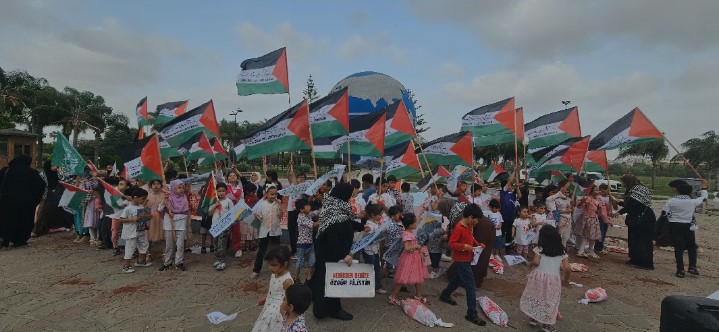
(55, 285)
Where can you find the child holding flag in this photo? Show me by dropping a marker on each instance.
(216, 211)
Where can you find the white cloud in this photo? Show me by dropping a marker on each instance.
(359, 46)
(542, 28)
(452, 70)
(300, 46)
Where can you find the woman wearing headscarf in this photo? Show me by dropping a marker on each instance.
(50, 216)
(333, 244)
(640, 221)
(21, 189)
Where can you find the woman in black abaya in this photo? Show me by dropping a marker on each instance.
(50, 215)
(640, 222)
(21, 189)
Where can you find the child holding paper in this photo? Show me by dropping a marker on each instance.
(135, 237)
(305, 248)
(370, 253)
(496, 218)
(410, 269)
(216, 211)
(521, 232)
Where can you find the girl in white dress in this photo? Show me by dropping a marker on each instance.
(278, 262)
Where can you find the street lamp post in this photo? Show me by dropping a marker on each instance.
(234, 134)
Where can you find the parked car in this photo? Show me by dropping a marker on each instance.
(599, 179)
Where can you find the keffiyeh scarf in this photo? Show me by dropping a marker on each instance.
(334, 211)
(642, 195)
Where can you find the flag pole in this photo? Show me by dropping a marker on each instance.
(524, 161)
(349, 155)
(421, 150)
(581, 169)
(185, 161)
(516, 153)
(686, 161)
(312, 141)
(418, 162)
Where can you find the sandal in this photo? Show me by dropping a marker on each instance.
(381, 291)
(421, 299)
(394, 301)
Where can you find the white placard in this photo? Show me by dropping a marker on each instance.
(217, 317)
(477, 251)
(342, 281)
(240, 211)
(369, 238)
(514, 259)
(337, 172)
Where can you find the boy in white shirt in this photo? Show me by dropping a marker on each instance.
(496, 218)
(217, 211)
(269, 213)
(382, 197)
(134, 219)
(682, 225)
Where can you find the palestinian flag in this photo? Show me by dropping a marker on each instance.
(143, 118)
(454, 149)
(72, 198)
(91, 166)
(540, 156)
(493, 171)
(112, 196)
(183, 127)
(208, 196)
(439, 172)
(491, 124)
(142, 159)
(219, 151)
(551, 177)
(367, 135)
(553, 128)
(167, 151)
(66, 157)
(399, 128)
(596, 161)
(327, 147)
(240, 150)
(632, 128)
(329, 116)
(197, 147)
(264, 75)
(288, 131)
(168, 111)
(405, 164)
(140, 133)
(567, 159)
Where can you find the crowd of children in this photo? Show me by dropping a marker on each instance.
(538, 231)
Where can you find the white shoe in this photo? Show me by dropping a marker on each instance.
(446, 258)
(220, 267)
(216, 263)
(593, 255)
(238, 254)
(582, 254)
(433, 275)
(254, 275)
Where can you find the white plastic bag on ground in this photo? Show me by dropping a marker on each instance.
(594, 295)
(493, 311)
(496, 265)
(419, 312)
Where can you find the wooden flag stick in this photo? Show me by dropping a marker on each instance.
(686, 161)
(349, 155)
(421, 150)
(516, 153)
(581, 169)
(418, 162)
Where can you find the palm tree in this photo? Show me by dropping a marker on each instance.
(87, 111)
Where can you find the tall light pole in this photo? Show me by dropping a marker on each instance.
(234, 134)
(566, 104)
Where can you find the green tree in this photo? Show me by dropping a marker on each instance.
(655, 151)
(87, 111)
(420, 123)
(704, 151)
(310, 92)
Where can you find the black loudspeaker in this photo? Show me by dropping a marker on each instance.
(689, 313)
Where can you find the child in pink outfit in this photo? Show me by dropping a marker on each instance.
(411, 269)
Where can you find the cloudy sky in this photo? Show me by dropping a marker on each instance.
(607, 57)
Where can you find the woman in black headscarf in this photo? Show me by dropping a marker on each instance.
(21, 189)
(333, 244)
(640, 222)
(50, 215)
